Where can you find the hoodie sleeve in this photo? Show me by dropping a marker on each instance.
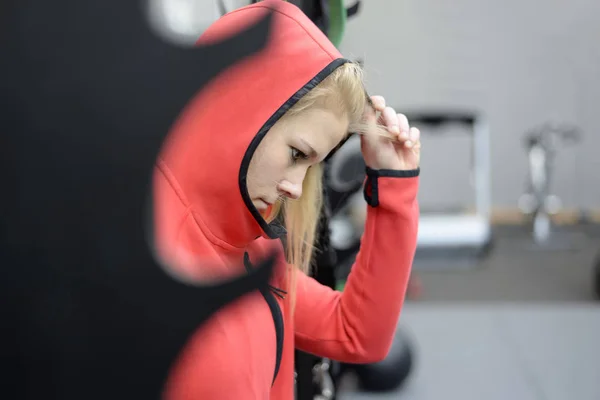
(358, 324)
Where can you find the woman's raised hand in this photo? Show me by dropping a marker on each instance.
(399, 148)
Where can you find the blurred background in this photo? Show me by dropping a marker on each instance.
(503, 301)
(519, 320)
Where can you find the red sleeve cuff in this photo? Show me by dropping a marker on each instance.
(371, 188)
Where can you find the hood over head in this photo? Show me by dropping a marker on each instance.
(204, 163)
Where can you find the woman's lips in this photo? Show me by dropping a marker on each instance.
(263, 205)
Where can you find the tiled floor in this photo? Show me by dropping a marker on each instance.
(501, 352)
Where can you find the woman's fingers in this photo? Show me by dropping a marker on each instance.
(415, 134)
(378, 103)
(397, 124)
(404, 153)
(404, 127)
(390, 120)
(414, 138)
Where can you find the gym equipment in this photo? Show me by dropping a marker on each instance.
(541, 144)
(385, 376)
(88, 95)
(313, 375)
(329, 15)
(462, 231)
(345, 175)
(392, 372)
(449, 233)
(323, 380)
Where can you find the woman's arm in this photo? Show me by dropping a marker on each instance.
(358, 325)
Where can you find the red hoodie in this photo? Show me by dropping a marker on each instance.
(205, 223)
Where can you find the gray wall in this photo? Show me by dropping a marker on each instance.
(520, 62)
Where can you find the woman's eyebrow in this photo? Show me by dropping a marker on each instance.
(312, 153)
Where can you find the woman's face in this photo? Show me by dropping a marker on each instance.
(291, 146)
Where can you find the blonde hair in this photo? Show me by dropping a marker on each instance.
(343, 93)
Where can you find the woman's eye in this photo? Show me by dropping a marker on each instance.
(297, 154)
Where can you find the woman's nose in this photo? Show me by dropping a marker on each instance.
(291, 190)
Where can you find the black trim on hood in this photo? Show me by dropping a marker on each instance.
(275, 229)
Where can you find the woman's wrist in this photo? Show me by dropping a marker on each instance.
(389, 172)
(388, 163)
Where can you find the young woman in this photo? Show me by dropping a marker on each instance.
(242, 169)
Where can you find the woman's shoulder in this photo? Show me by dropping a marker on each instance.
(223, 350)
